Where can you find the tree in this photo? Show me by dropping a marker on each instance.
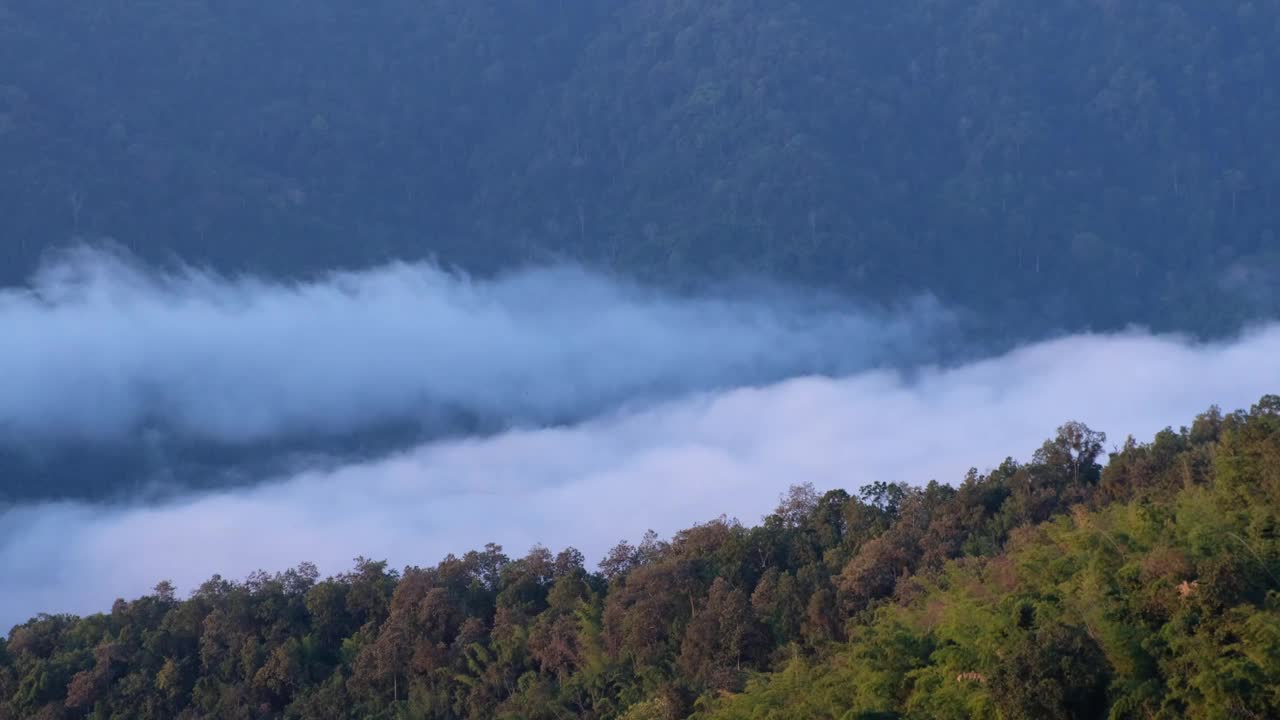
(1057, 672)
(717, 638)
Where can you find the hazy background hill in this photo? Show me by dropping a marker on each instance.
(1051, 165)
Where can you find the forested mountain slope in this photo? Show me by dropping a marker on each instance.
(1051, 589)
(1015, 158)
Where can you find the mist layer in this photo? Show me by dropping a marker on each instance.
(98, 348)
(664, 467)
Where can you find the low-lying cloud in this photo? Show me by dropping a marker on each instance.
(97, 347)
(663, 467)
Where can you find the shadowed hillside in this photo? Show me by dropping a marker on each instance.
(1054, 165)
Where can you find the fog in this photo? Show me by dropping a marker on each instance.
(97, 347)
(614, 476)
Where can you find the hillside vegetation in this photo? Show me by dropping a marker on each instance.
(1051, 165)
(1051, 589)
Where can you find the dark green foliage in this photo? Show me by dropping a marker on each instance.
(1050, 590)
(1051, 164)
(1056, 673)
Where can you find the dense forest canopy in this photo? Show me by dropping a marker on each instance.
(892, 189)
(1050, 165)
(1055, 588)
